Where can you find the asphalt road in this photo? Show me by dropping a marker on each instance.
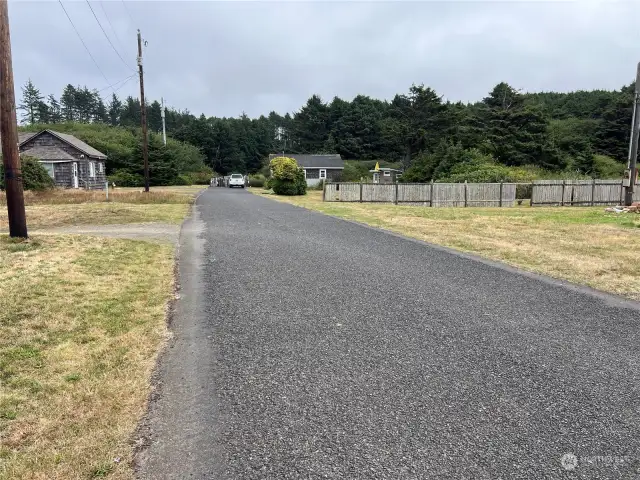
(308, 347)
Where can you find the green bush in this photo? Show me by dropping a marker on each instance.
(34, 175)
(607, 167)
(319, 186)
(257, 180)
(287, 178)
(123, 178)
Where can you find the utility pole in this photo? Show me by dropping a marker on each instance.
(143, 116)
(164, 129)
(631, 173)
(9, 132)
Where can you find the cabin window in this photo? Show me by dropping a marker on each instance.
(92, 169)
(49, 168)
(100, 167)
(323, 173)
(387, 173)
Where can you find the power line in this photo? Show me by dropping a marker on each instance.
(111, 25)
(85, 45)
(128, 12)
(126, 79)
(121, 86)
(107, 36)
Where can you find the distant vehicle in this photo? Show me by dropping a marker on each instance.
(236, 180)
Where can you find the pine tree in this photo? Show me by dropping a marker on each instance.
(100, 114)
(115, 110)
(55, 112)
(68, 103)
(31, 100)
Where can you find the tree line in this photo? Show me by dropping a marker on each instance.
(506, 133)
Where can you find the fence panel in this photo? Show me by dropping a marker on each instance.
(448, 195)
(576, 192)
(349, 192)
(331, 192)
(414, 193)
(374, 192)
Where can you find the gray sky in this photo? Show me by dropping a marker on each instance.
(222, 58)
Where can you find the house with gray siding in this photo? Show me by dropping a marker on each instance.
(70, 161)
(317, 167)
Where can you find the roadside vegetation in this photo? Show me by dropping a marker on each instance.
(81, 324)
(60, 208)
(580, 244)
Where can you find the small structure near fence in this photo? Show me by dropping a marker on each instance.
(578, 193)
(426, 194)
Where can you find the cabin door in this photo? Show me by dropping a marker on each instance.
(74, 174)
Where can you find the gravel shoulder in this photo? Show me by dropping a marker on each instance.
(310, 347)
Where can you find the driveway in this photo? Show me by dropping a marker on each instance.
(309, 347)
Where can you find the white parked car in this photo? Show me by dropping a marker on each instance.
(236, 180)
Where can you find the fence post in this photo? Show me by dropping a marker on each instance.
(431, 194)
(501, 193)
(593, 192)
(395, 198)
(360, 190)
(324, 190)
(106, 184)
(564, 185)
(466, 187)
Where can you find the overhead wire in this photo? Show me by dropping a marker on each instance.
(107, 37)
(85, 45)
(128, 12)
(104, 10)
(126, 79)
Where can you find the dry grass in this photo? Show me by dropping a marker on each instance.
(582, 245)
(159, 195)
(61, 208)
(81, 323)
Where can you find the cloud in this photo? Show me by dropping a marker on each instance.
(223, 58)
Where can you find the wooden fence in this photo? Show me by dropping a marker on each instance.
(427, 194)
(578, 192)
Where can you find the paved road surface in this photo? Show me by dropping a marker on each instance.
(308, 347)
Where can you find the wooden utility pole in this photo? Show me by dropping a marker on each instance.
(9, 132)
(631, 173)
(143, 117)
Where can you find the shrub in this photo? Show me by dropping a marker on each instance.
(607, 167)
(319, 186)
(34, 175)
(123, 178)
(287, 178)
(257, 180)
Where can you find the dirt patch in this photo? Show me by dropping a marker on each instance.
(157, 232)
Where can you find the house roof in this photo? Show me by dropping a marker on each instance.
(88, 150)
(315, 161)
(48, 153)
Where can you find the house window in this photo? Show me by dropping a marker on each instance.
(323, 173)
(100, 167)
(387, 173)
(49, 168)
(92, 169)
(305, 173)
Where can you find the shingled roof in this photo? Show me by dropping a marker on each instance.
(314, 161)
(48, 153)
(88, 150)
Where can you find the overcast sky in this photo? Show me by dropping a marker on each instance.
(223, 58)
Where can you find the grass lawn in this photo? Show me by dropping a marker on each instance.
(81, 323)
(580, 244)
(59, 208)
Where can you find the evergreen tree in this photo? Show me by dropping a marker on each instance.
(154, 116)
(311, 125)
(68, 103)
(55, 112)
(31, 100)
(115, 110)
